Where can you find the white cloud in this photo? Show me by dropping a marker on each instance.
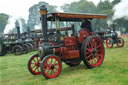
(121, 10)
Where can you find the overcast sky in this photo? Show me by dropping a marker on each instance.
(20, 7)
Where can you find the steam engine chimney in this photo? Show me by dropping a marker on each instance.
(18, 32)
(29, 33)
(43, 13)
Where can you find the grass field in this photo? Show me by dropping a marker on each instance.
(114, 71)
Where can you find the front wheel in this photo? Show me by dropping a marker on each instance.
(34, 64)
(93, 52)
(51, 66)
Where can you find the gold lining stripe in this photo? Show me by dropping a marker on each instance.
(54, 51)
(43, 12)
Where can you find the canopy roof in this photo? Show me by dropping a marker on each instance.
(74, 16)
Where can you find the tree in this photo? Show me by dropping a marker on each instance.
(34, 15)
(105, 7)
(3, 21)
(82, 6)
(114, 2)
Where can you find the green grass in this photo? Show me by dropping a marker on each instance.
(114, 71)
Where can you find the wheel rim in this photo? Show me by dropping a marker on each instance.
(34, 65)
(25, 48)
(0, 48)
(109, 43)
(31, 46)
(94, 52)
(120, 43)
(51, 67)
(17, 50)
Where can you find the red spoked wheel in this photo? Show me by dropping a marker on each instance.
(109, 43)
(34, 65)
(93, 52)
(120, 42)
(51, 66)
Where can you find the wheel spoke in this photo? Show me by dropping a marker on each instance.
(48, 70)
(33, 66)
(88, 53)
(94, 44)
(56, 69)
(92, 61)
(98, 46)
(91, 44)
(53, 71)
(88, 49)
(37, 59)
(51, 61)
(34, 60)
(95, 60)
(98, 55)
(54, 62)
(98, 50)
(32, 63)
(89, 56)
(36, 68)
(48, 62)
(47, 66)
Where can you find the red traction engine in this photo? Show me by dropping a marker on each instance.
(69, 49)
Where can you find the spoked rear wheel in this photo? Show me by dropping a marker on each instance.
(25, 48)
(93, 52)
(17, 50)
(34, 65)
(109, 43)
(51, 66)
(30, 46)
(120, 42)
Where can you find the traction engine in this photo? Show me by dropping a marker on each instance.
(69, 49)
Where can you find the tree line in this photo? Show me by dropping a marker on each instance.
(82, 6)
